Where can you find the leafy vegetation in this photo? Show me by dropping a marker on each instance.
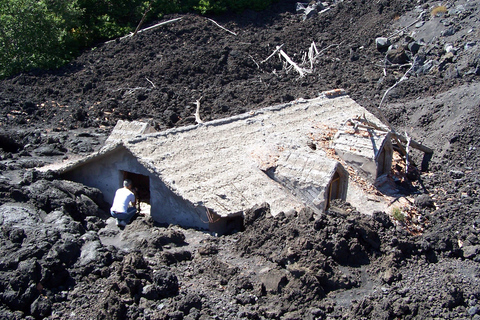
(47, 33)
(398, 215)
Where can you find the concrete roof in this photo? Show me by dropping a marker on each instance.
(231, 164)
(216, 164)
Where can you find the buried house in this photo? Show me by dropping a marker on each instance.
(207, 175)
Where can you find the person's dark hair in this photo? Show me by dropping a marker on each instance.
(127, 183)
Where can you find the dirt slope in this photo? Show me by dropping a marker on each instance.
(63, 258)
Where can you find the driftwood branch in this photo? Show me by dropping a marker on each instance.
(153, 84)
(404, 77)
(273, 53)
(143, 19)
(300, 71)
(197, 112)
(221, 27)
(413, 143)
(158, 25)
(407, 150)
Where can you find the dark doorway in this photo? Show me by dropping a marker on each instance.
(337, 188)
(334, 189)
(381, 163)
(141, 185)
(384, 159)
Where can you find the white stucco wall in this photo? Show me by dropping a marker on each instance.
(105, 173)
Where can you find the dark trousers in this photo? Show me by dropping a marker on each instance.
(124, 216)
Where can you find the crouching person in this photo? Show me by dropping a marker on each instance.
(123, 208)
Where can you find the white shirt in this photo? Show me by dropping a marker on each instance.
(123, 197)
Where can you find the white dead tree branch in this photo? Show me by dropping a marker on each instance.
(308, 58)
(328, 47)
(158, 25)
(197, 112)
(403, 78)
(312, 54)
(407, 155)
(129, 91)
(301, 71)
(153, 84)
(221, 27)
(258, 67)
(273, 53)
(143, 19)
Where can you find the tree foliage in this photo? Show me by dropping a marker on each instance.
(47, 33)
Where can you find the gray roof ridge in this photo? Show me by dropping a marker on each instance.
(222, 121)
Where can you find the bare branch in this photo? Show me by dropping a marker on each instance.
(153, 85)
(300, 71)
(146, 29)
(222, 27)
(273, 53)
(404, 77)
(197, 112)
(258, 67)
(328, 47)
(129, 91)
(159, 25)
(407, 156)
(143, 19)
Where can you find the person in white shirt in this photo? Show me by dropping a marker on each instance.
(123, 208)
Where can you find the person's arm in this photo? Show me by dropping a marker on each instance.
(133, 199)
(136, 203)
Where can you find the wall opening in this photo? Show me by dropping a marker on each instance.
(225, 225)
(381, 163)
(384, 159)
(141, 185)
(336, 188)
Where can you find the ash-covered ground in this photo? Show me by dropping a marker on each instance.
(63, 258)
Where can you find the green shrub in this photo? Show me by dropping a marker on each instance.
(210, 6)
(30, 37)
(47, 33)
(240, 5)
(398, 215)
